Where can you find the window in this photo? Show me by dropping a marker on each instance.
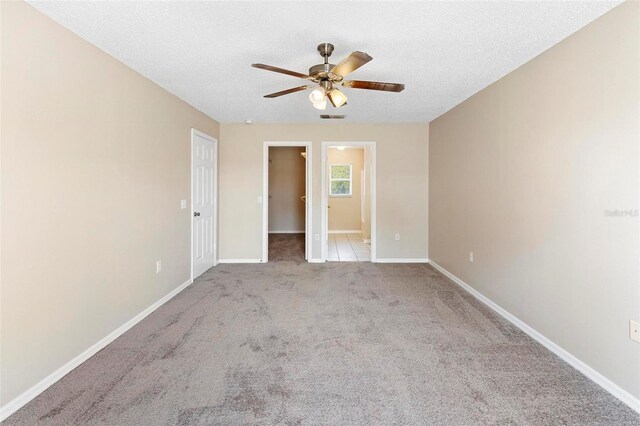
(340, 180)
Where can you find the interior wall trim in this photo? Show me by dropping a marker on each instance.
(403, 260)
(572, 360)
(22, 399)
(240, 261)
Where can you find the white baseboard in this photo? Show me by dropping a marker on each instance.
(352, 231)
(421, 260)
(286, 232)
(606, 384)
(18, 402)
(316, 261)
(240, 261)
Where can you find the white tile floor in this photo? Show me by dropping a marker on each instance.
(348, 248)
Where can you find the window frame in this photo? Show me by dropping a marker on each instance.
(331, 180)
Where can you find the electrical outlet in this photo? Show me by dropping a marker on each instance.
(397, 237)
(158, 266)
(317, 237)
(259, 200)
(634, 330)
(183, 204)
(471, 256)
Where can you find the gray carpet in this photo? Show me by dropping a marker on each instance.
(340, 343)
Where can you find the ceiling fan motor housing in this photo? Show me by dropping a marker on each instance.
(320, 71)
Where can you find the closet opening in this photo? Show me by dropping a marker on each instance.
(286, 202)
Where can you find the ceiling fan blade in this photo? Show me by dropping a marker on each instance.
(374, 85)
(351, 63)
(280, 70)
(286, 92)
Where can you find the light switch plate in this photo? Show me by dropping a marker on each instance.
(183, 204)
(634, 330)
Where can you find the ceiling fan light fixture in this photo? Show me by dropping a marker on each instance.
(317, 95)
(321, 105)
(337, 98)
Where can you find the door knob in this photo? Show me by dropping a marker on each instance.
(196, 214)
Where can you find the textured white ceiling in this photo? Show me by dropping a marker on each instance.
(444, 52)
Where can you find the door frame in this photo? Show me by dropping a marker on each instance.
(203, 135)
(324, 201)
(308, 244)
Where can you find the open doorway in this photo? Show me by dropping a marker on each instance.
(286, 201)
(348, 200)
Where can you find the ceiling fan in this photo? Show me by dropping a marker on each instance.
(327, 76)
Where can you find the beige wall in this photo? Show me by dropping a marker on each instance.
(286, 186)
(402, 174)
(95, 161)
(344, 213)
(524, 174)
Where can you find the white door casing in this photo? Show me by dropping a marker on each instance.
(203, 202)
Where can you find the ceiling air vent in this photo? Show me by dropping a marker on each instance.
(332, 117)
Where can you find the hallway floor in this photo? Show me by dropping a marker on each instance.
(348, 248)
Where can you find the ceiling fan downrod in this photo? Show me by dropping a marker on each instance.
(325, 49)
(321, 71)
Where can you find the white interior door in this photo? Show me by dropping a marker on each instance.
(204, 203)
